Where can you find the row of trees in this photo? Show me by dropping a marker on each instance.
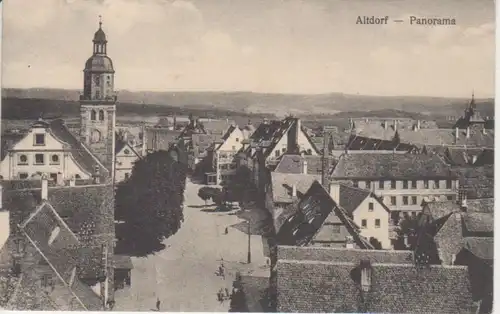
(150, 204)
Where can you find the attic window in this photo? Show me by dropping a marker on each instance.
(126, 152)
(55, 232)
(39, 139)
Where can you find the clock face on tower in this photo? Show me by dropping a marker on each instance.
(97, 80)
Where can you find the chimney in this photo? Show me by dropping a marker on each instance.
(72, 181)
(406, 240)
(334, 191)
(96, 175)
(474, 159)
(45, 187)
(453, 259)
(418, 124)
(175, 122)
(484, 130)
(304, 166)
(467, 133)
(143, 146)
(395, 125)
(349, 242)
(298, 129)
(463, 205)
(385, 125)
(350, 124)
(294, 190)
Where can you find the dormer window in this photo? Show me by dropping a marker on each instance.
(39, 139)
(54, 234)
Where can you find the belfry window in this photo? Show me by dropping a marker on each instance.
(93, 115)
(101, 115)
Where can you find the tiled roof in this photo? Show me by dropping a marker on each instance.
(311, 286)
(201, 143)
(160, 138)
(312, 221)
(217, 127)
(254, 289)
(484, 205)
(433, 137)
(478, 182)
(8, 141)
(486, 157)
(351, 197)
(81, 153)
(312, 253)
(282, 184)
(461, 156)
(479, 222)
(406, 166)
(294, 164)
(357, 142)
(482, 247)
(441, 209)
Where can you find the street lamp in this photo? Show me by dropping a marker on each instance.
(249, 255)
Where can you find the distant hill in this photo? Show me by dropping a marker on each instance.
(311, 106)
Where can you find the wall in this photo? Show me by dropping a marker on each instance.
(379, 212)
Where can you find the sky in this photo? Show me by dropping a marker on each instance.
(271, 46)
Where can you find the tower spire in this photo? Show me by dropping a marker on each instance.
(100, 21)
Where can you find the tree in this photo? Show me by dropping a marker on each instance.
(151, 203)
(205, 194)
(407, 233)
(375, 243)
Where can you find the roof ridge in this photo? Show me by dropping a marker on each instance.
(401, 265)
(344, 249)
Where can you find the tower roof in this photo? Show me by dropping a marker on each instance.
(100, 36)
(99, 63)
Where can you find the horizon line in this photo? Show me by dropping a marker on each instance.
(252, 92)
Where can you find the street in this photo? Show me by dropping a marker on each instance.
(183, 275)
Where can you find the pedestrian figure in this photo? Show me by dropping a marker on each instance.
(227, 293)
(226, 231)
(220, 296)
(158, 303)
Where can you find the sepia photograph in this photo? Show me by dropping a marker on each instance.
(319, 156)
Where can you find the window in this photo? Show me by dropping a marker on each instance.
(393, 184)
(381, 184)
(23, 175)
(283, 149)
(414, 184)
(413, 200)
(39, 139)
(39, 159)
(405, 184)
(367, 184)
(23, 160)
(405, 200)
(47, 281)
(370, 206)
(237, 139)
(448, 184)
(363, 223)
(53, 176)
(97, 94)
(450, 197)
(426, 184)
(101, 115)
(393, 200)
(234, 147)
(54, 159)
(414, 214)
(277, 153)
(93, 115)
(127, 176)
(355, 183)
(377, 223)
(126, 152)
(77, 176)
(436, 184)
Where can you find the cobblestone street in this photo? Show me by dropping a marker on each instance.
(183, 275)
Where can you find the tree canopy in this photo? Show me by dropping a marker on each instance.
(150, 203)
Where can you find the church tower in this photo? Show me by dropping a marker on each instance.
(98, 103)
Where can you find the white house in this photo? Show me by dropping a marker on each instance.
(126, 155)
(366, 209)
(48, 148)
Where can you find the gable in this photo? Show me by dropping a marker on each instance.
(127, 151)
(28, 141)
